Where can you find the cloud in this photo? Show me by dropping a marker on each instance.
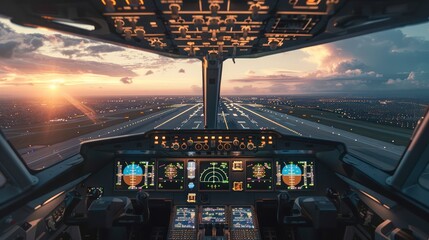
(70, 53)
(193, 60)
(69, 41)
(7, 49)
(21, 56)
(15, 82)
(248, 90)
(4, 29)
(96, 49)
(33, 63)
(149, 72)
(36, 43)
(196, 89)
(181, 70)
(384, 61)
(352, 65)
(126, 80)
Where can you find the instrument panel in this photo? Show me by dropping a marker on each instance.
(212, 176)
(294, 173)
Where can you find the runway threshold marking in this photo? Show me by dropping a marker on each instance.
(274, 122)
(168, 120)
(224, 120)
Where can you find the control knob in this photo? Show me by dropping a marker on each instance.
(175, 146)
(250, 146)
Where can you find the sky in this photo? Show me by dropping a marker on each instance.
(35, 62)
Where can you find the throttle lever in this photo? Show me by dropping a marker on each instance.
(283, 208)
(71, 200)
(334, 196)
(142, 205)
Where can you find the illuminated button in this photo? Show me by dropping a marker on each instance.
(270, 137)
(237, 186)
(213, 137)
(263, 137)
(191, 185)
(156, 142)
(192, 198)
(237, 166)
(156, 137)
(163, 137)
(191, 169)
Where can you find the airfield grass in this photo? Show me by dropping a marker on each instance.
(51, 133)
(376, 131)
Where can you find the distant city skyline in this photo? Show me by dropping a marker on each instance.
(38, 62)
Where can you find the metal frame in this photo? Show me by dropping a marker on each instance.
(414, 161)
(18, 178)
(212, 74)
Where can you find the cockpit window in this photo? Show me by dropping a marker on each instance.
(57, 91)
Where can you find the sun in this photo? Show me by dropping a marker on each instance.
(53, 87)
(55, 84)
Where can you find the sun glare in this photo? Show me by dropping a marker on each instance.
(53, 87)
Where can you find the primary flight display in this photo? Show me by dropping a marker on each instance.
(134, 175)
(295, 174)
(206, 175)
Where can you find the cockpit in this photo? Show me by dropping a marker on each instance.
(334, 147)
(210, 184)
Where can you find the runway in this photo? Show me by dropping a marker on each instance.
(231, 116)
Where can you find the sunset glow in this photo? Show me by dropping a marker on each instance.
(34, 60)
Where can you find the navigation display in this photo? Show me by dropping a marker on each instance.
(134, 175)
(295, 174)
(242, 217)
(171, 175)
(259, 175)
(214, 175)
(213, 215)
(184, 218)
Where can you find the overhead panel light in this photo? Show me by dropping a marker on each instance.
(214, 8)
(175, 8)
(119, 24)
(140, 32)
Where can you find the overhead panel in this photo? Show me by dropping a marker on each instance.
(222, 28)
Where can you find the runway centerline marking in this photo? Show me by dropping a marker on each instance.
(168, 120)
(224, 120)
